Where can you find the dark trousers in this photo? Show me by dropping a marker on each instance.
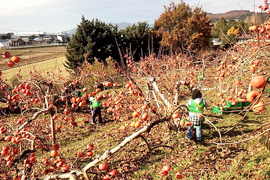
(96, 111)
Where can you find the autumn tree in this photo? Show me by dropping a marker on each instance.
(229, 30)
(232, 34)
(182, 27)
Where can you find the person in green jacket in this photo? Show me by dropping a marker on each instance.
(96, 110)
(196, 107)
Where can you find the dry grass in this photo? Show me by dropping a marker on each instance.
(44, 59)
(32, 55)
(247, 160)
(42, 68)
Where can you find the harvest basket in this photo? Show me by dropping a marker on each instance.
(229, 108)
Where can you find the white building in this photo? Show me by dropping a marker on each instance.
(61, 38)
(4, 43)
(29, 33)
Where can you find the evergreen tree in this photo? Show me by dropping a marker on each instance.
(135, 39)
(92, 39)
(218, 28)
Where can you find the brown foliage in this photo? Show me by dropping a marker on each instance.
(182, 27)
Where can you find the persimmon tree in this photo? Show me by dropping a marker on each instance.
(51, 96)
(148, 93)
(151, 92)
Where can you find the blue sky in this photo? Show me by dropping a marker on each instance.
(59, 15)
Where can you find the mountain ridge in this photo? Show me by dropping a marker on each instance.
(240, 15)
(121, 25)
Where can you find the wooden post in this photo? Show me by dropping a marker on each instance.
(53, 131)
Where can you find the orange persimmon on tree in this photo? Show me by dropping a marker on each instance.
(142, 103)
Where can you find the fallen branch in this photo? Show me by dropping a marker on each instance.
(108, 153)
(72, 175)
(145, 140)
(215, 128)
(154, 84)
(245, 140)
(157, 146)
(34, 117)
(146, 129)
(75, 173)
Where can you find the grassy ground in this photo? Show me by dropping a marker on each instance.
(246, 160)
(53, 65)
(195, 161)
(33, 55)
(41, 59)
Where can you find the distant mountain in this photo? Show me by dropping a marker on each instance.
(71, 31)
(121, 25)
(240, 15)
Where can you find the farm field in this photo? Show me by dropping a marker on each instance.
(41, 59)
(240, 153)
(54, 65)
(35, 54)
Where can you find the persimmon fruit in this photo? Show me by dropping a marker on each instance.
(178, 175)
(258, 108)
(10, 63)
(113, 172)
(163, 173)
(90, 146)
(81, 154)
(144, 116)
(4, 153)
(258, 82)
(6, 55)
(175, 116)
(135, 114)
(15, 59)
(54, 153)
(252, 95)
(166, 168)
(89, 153)
(137, 124)
(102, 167)
(106, 178)
(56, 147)
(65, 168)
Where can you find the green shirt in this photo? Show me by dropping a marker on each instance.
(78, 93)
(95, 104)
(196, 108)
